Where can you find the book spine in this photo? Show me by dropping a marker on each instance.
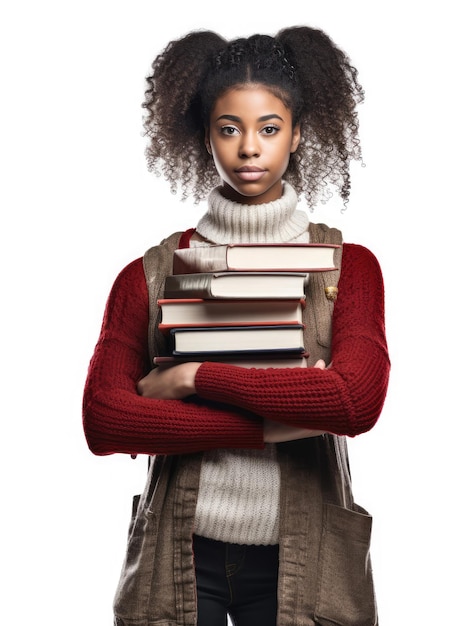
(200, 260)
(195, 286)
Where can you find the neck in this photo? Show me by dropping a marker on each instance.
(278, 221)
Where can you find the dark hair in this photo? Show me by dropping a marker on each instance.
(300, 65)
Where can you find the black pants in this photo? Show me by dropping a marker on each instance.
(235, 580)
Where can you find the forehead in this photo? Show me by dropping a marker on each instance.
(251, 101)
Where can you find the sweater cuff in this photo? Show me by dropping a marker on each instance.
(207, 387)
(208, 381)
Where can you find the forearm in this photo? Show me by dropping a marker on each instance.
(345, 398)
(122, 422)
(116, 418)
(321, 400)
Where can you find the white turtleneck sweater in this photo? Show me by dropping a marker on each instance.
(238, 499)
(274, 222)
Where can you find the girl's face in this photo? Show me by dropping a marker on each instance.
(251, 137)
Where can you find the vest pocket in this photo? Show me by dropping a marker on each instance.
(345, 585)
(132, 594)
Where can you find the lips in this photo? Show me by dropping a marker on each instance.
(250, 173)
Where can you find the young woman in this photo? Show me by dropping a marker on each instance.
(248, 509)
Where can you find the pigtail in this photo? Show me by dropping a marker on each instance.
(330, 93)
(173, 112)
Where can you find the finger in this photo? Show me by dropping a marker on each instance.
(320, 364)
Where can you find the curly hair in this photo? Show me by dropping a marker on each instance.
(300, 65)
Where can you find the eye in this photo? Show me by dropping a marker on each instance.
(270, 130)
(229, 130)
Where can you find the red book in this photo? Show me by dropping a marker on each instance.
(235, 312)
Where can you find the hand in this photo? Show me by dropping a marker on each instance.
(174, 383)
(276, 432)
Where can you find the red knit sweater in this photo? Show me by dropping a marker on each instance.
(345, 399)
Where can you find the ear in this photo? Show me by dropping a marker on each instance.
(296, 138)
(207, 142)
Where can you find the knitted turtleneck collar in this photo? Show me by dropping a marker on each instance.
(274, 222)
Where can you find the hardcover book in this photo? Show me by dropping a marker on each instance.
(199, 312)
(261, 338)
(283, 257)
(241, 360)
(214, 285)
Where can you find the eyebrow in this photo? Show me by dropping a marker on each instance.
(264, 118)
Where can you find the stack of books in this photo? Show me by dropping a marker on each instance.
(239, 303)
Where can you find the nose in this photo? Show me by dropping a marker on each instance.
(249, 145)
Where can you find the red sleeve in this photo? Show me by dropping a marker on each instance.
(345, 399)
(117, 419)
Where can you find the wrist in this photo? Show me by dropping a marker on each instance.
(189, 378)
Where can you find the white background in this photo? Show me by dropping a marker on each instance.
(77, 204)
